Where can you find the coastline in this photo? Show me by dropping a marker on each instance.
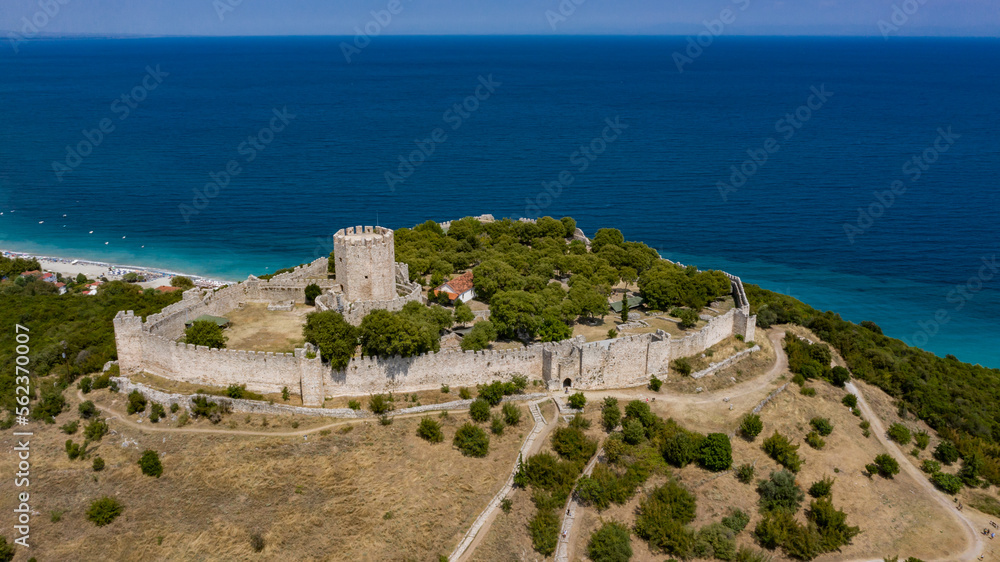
(94, 269)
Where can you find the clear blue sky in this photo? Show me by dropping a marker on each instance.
(339, 17)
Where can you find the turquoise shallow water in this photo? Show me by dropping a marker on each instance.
(681, 135)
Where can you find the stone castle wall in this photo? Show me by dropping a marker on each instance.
(621, 362)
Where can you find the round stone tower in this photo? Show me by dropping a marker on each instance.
(365, 263)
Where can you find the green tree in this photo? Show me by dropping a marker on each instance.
(312, 291)
(494, 276)
(886, 466)
(136, 402)
(751, 426)
(176, 281)
(945, 482)
(716, 452)
(946, 452)
(821, 425)
(479, 410)
(463, 313)
(779, 448)
(479, 337)
(205, 332)
(662, 516)
(780, 492)
(688, 318)
(610, 543)
(333, 335)
(611, 414)
(899, 433)
(150, 463)
(472, 441)
(384, 334)
(624, 307)
(516, 314)
(430, 430)
(577, 400)
(104, 510)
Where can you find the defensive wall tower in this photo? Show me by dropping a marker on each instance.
(365, 263)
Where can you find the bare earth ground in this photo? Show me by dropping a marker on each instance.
(898, 516)
(254, 327)
(368, 493)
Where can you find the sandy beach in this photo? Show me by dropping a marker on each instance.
(70, 267)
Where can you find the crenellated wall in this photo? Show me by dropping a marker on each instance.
(621, 362)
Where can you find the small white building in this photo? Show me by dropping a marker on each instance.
(459, 288)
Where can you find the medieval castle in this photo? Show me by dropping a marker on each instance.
(367, 278)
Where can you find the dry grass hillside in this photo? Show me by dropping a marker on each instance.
(357, 491)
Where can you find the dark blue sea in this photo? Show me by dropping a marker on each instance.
(856, 174)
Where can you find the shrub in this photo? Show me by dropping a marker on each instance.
(922, 439)
(579, 422)
(379, 404)
(799, 379)
(930, 467)
(87, 409)
(744, 554)
(886, 466)
(737, 520)
(946, 452)
(74, 451)
(661, 518)
(716, 452)
(497, 425)
(354, 404)
(445, 389)
(98, 464)
(849, 400)
(822, 425)
(821, 488)
(947, 483)
(472, 441)
(572, 444)
(899, 433)
(814, 440)
(633, 432)
(285, 394)
(156, 412)
(544, 530)
(611, 415)
(71, 427)
(682, 365)
(782, 451)
(681, 447)
(751, 426)
(430, 430)
(614, 448)
(257, 542)
(655, 384)
(839, 376)
(86, 385)
(205, 332)
(479, 410)
(577, 401)
(715, 541)
(312, 291)
(174, 408)
(745, 472)
(612, 334)
(201, 407)
(136, 402)
(511, 414)
(103, 511)
(610, 543)
(95, 430)
(807, 391)
(780, 492)
(464, 393)
(150, 463)
(505, 505)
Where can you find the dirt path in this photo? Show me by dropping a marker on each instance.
(154, 428)
(465, 550)
(975, 545)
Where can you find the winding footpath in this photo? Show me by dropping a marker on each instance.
(975, 545)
